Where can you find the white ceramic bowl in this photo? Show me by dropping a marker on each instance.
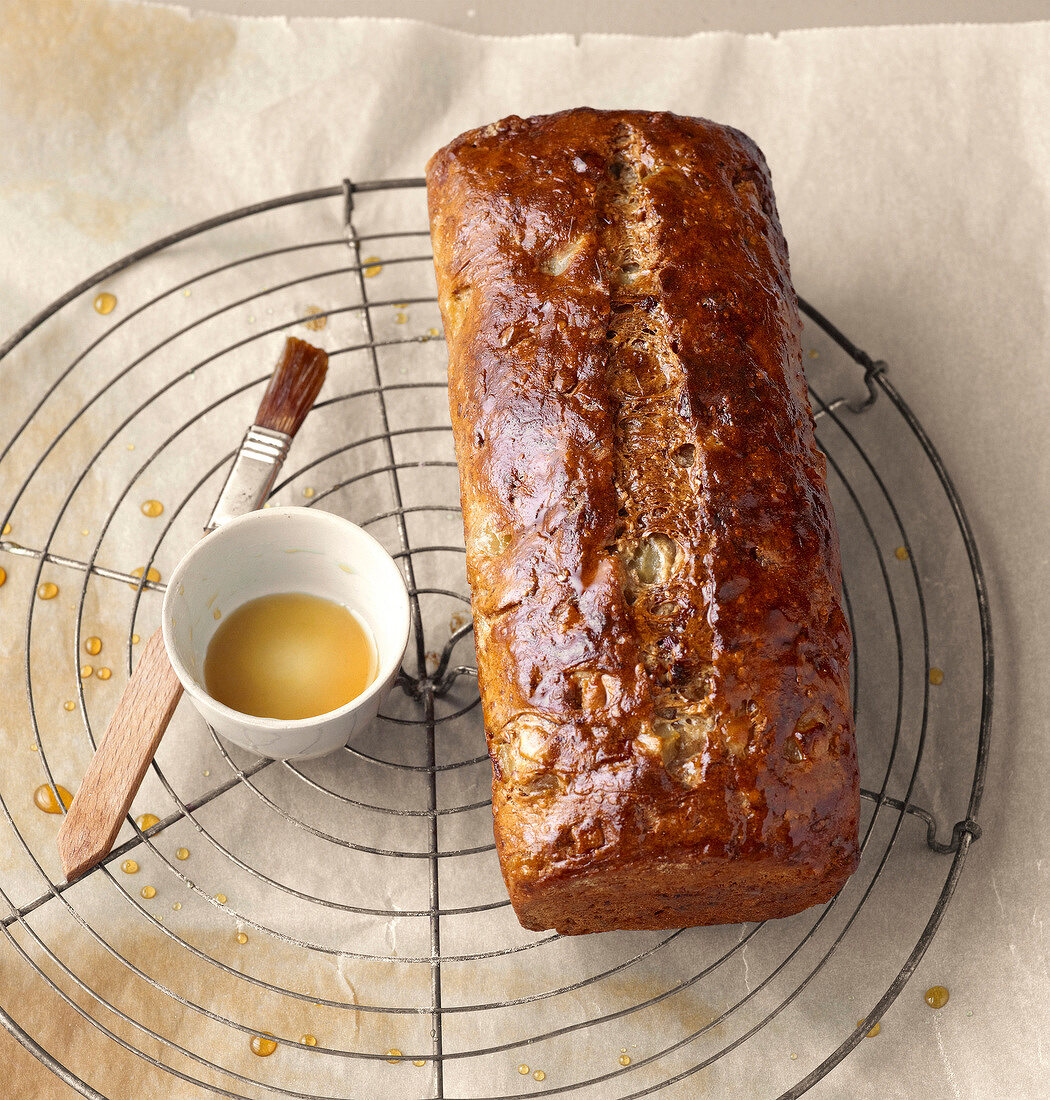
(285, 550)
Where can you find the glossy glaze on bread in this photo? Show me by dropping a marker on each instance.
(654, 566)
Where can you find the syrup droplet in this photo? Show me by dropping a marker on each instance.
(129, 867)
(84, 531)
(793, 1056)
(539, 1075)
(308, 491)
(151, 575)
(523, 1069)
(3, 574)
(936, 996)
(48, 590)
(220, 898)
(262, 1045)
(7, 529)
(103, 673)
(186, 292)
(458, 620)
(216, 614)
(394, 1056)
(372, 267)
(902, 553)
(93, 646)
(45, 800)
(177, 905)
(308, 1040)
(206, 773)
(148, 892)
(105, 303)
(135, 639)
(152, 508)
(401, 318)
(936, 676)
(433, 332)
(131, 446)
(625, 1059)
(241, 937)
(33, 748)
(874, 1031)
(182, 853)
(812, 353)
(86, 671)
(147, 821)
(317, 318)
(69, 704)
(419, 1061)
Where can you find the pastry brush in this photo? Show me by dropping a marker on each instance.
(130, 741)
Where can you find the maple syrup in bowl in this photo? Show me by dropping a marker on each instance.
(287, 628)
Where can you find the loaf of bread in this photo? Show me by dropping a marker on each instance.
(654, 566)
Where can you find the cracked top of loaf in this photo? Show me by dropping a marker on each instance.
(654, 566)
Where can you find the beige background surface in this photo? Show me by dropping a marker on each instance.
(911, 170)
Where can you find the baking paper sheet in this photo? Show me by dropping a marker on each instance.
(910, 167)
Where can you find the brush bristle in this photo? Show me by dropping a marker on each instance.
(293, 387)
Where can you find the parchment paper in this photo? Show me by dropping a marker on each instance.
(911, 168)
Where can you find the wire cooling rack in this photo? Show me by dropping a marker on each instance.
(352, 907)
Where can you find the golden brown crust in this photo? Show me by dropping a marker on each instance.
(662, 654)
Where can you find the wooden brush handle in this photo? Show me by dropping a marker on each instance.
(113, 777)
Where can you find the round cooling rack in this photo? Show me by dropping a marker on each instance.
(338, 927)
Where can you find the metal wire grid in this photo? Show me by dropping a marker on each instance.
(443, 682)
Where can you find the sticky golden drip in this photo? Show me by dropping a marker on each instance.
(151, 575)
(371, 267)
(93, 646)
(317, 318)
(47, 591)
(148, 892)
(263, 1045)
(105, 303)
(147, 821)
(152, 508)
(130, 867)
(44, 798)
(936, 996)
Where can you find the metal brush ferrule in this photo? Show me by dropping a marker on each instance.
(254, 470)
